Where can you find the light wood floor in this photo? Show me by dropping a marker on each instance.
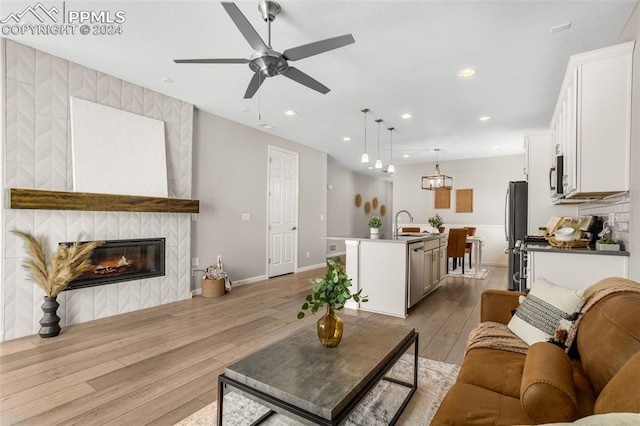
(159, 365)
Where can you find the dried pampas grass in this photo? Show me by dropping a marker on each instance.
(62, 267)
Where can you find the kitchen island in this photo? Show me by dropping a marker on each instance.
(395, 272)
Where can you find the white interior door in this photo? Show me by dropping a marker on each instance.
(283, 211)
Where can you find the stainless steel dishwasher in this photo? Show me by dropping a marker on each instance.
(416, 272)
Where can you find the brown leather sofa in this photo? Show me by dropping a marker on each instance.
(602, 375)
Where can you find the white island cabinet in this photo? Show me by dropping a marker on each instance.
(385, 267)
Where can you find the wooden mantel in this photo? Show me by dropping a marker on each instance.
(85, 201)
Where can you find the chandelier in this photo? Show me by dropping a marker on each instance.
(437, 179)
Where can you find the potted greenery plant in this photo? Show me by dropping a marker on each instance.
(607, 244)
(437, 222)
(331, 290)
(542, 231)
(374, 224)
(54, 272)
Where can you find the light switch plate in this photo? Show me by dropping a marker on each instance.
(246, 217)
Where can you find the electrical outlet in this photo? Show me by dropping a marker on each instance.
(612, 219)
(307, 255)
(195, 261)
(193, 272)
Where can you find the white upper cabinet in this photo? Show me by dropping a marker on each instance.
(591, 125)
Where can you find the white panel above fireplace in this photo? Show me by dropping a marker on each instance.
(117, 152)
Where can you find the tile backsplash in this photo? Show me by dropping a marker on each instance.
(618, 206)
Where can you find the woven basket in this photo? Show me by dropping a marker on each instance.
(581, 243)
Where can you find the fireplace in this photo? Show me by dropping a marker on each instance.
(123, 260)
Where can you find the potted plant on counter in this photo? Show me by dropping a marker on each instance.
(374, 224)
(333, 291)
(607, 244)
(542, 231)
(437, 222)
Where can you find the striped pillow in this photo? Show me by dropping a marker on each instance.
(545, 309)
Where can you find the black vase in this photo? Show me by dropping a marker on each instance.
(50, 322)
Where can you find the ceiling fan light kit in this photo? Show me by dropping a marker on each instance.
(437, 179)
(266, 62)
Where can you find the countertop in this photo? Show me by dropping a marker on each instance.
(403, 237)
(532, 247)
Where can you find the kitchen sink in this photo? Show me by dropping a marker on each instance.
(413, 234)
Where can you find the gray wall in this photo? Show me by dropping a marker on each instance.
(632, 32)
(488, 177)
(344, 218)
(230, 178)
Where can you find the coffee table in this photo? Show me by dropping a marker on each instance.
(302, 379)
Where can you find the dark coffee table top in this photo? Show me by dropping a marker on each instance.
(302, 372)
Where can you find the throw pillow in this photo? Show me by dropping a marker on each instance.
(546, 308)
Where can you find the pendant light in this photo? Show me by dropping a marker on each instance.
(378, 161)
(437, 179)
(365, 156)
(391, 169)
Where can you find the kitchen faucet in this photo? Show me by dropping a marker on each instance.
(396, 227)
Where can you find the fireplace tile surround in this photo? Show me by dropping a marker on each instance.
(37, 149)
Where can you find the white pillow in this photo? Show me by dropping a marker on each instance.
(541, 312)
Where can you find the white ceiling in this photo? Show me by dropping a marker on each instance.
(405, 59)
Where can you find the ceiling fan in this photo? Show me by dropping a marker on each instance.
(266, 62)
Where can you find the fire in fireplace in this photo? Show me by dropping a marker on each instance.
(123, 260)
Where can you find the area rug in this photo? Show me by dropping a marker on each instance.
(434, 380)
(469, 273)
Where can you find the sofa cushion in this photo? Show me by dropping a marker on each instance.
(495, 370)
(467, 404)
(608, 336)
(547, 392)
(543, 311)
(584, 392)
(622, 393)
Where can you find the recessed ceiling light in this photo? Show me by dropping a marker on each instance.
(167, 80)
(290, 112)
(495, 147)
(406, 116)
(245, 110)
(406, 156)
(346, 139)
(370, 167)
(466, 73)
(484, 118)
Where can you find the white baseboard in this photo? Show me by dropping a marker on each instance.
(494, 264)
(310, 267)
(338, 253)
(196, 292)
(249, 280)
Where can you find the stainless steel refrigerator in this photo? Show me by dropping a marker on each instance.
(515, 229)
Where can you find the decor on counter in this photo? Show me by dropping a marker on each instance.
(542, 231)
(391, 169)
(358, 200)
(443, 198)
(607, 244)
(378, 160)
(580, 243)
(383, 210)
(331, 290)
(365, 156)
(367, 207)
(374, 224)
(374, 202)
(437, 179)
(54, 272)
(464, 200)
(435, 378)
(436, 221)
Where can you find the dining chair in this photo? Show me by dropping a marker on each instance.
(471, 231)
(456, 246)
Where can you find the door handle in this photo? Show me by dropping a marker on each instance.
(294, 228)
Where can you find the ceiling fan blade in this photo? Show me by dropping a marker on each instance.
(211, 61)
(302, 78)
(247, 30)
(254, 85)
(317, 47)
